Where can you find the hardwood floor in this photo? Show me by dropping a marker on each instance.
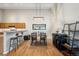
(25, 49)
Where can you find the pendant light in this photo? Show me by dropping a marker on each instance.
(38, 13)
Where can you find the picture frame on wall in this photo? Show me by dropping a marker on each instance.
(39, 26)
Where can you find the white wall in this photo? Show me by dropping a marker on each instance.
(64, 13)
(54, 18)
(60, 17)
(1, 15)
(57, 17)
(26, 16)
(71, 12)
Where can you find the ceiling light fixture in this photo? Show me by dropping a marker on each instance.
(38, 12)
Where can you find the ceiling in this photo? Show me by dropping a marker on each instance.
(26, 5)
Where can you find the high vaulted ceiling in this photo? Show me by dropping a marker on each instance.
(26, 5)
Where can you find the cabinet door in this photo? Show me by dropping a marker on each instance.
(1, 43)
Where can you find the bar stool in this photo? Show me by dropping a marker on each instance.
(20, 37)
(13, 42)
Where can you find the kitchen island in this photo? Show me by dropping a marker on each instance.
(6, 38)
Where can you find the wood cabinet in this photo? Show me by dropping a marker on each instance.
(17, 25)
(1, 42)
(20, 25)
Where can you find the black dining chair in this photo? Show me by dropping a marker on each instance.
(43, 38)
(33, 38)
